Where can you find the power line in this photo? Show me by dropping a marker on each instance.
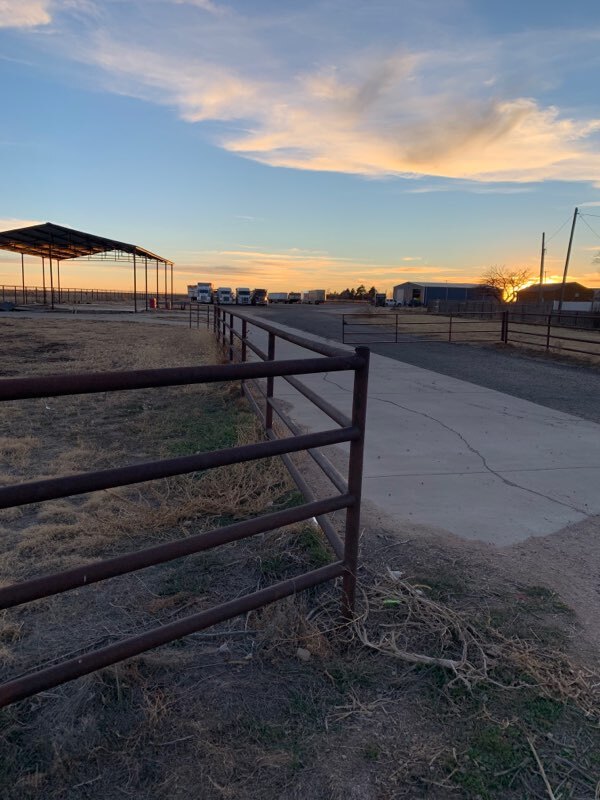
(559, 229)
(589, 226)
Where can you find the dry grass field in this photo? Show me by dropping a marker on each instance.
(453, 681)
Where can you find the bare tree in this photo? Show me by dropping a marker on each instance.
(507, 280)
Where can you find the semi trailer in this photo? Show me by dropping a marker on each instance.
(315, 296)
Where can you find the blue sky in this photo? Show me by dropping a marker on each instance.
(296, 145)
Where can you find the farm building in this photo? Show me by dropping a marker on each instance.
(551, 292)
(424, 293)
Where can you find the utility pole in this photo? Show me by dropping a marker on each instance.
(564, 280)
(541, 294)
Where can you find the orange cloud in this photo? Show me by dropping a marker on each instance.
(375, 117)
(24, 13)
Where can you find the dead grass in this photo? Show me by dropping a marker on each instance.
(436, 690)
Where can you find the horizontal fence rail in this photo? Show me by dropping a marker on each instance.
(346, 497)
(551, 331)
(232, 329)
(398, 328)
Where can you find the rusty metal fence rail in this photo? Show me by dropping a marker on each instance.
(347, 495)
(399, 328)
(550, 331)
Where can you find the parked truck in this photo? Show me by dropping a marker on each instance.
(278, 297)
(200, 293)
(259, 297)
(294, 297)
(224, 296)
(316, 296)
(242, 297)
(205, 292)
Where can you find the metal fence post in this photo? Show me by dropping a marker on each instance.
(244, 355)
(396, 338)
(549, 326)
(231, 337)
(270, 383)
(450, 328)
(190, 315)
(244, 337)
(504, 332)
(355, 472)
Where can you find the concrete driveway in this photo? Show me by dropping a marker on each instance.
(452, 455)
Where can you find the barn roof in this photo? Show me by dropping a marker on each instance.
(49, 240)
(441, 284)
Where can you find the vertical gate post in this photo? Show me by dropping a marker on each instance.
(244, 355)
(244, 337)
(450, 328)
(548, 328)
(505, 327)
(396, 338)
(355, 471)
(270, 383)
(231, 337)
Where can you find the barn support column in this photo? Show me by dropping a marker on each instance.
(134, 285)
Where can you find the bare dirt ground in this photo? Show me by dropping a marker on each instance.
(464, 674)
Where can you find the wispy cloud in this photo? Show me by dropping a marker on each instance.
(464, 110)
(468, 186)
(10, 223)
(24, 13)
(374, 115)
(204, 5)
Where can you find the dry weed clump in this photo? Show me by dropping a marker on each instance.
(285, 626)
(242, 490)
(400, 621)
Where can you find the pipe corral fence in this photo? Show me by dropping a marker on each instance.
(550, 331)
(347, 495)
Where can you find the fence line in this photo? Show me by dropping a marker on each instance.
(42, 295)
(347, 495)
(547, 331)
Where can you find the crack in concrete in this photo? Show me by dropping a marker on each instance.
(469, 446)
